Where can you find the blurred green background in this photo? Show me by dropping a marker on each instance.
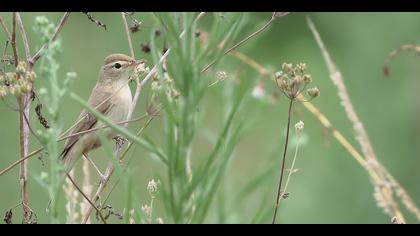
(330, 186)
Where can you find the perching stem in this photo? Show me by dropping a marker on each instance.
(283, 162)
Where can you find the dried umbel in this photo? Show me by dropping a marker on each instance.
(292, 81)
(18, 82)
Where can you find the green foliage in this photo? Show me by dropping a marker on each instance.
(51, 98)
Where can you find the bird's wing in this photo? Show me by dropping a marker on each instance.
(88, 120)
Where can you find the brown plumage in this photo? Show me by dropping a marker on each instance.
(111, 96)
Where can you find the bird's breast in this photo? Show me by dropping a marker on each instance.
(121, 103)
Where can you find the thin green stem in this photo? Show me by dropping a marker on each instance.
(283, 162)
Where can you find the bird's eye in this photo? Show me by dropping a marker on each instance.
(117, 65)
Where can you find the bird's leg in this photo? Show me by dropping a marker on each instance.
(119, 141)
(101, 176)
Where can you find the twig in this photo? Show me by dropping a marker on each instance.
(23, 126)
(361, 136)
(20, 161)
(31, 130)
(274, 16)
(123, 155)
(61, 138)
(289, 114)
(127, 31)
(13, 42)
(24, 38)
(403, 48)
(87, 199)
(57, 30)
(3, 25)
(102, 127)
(97, 22)
(292, 169)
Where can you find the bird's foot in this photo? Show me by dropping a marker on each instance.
(119, 141)
(102, 179)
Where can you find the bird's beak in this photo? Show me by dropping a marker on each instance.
(135, 63)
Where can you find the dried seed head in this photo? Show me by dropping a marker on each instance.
(155, 86)
(298, 79)
(307, 79)
(282, 84)
(313, 92)
(292, 80)
(300, 67)
(286, 68)
(278, 74)
(147, 210)
(152, 187)
(26, 87)
(221, 75)
(21, 68)
(14, 89)
(299, 126)
(12, 77)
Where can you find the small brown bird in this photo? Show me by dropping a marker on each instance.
(112, 97)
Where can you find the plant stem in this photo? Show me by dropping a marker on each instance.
(283, 162)
(24, 140)
(23, 101)
(15, 54)
(127, 31)
(242, 42)
(3, 25)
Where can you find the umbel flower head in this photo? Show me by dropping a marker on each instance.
(292, 81)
